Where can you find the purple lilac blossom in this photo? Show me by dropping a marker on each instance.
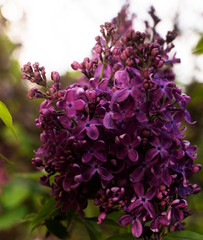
(115, 135)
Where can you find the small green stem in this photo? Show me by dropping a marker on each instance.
(104, 63)
(73, 120)
(102, 72)
(48, 90)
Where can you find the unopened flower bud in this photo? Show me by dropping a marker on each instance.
(75, 65)
(55, 76)
(196, 168)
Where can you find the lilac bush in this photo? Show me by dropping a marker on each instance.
(116, 135)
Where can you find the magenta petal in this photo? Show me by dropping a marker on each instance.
(92, 132)
(125, 220)
(70, 112)
(135, 204)
(104, 173)
(70, 96)
(104, 83)
(79, 104)
(163, 221)
(154, 226)
(136, 228)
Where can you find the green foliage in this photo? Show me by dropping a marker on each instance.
(92, 228)
(47, 210)
(14, 194)
(7, 119)
(183, 235)
(199, 47)
(56, 228)
(126, 236)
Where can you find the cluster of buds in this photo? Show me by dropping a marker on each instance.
(115, 136)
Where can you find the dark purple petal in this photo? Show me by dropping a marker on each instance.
(136, 142)
(178, 214)
(133, 155)
(108, 121)
(100, 156)
(151, 153)
(124, 139)
(137, 174)
(155, 142)
(105, 174)
(139, 189)
(87, 157)
(88, 174)
(151, 193)
(122, 153)
(134, 205)
(121, 95)
(79, 104)
(154, 226)
(166, 177)
(150, 208)
(164, 154)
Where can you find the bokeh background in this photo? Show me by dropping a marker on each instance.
(55, 33)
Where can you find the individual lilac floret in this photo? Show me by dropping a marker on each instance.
(117, 134)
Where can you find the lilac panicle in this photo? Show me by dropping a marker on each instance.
(117, 134)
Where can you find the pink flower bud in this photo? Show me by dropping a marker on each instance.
(55, 77)
(75, 65)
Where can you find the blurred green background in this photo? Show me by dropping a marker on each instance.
(21, 195)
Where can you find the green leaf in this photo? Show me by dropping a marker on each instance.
(31, 175)
(11, 218)
(45, 213)
(183, 235)
(107, 221)
(199, 47)
(6, 159)
(56, 228)
(7, 119)
(92, 228)
(14, 193)
(70, 215)
(126, 236)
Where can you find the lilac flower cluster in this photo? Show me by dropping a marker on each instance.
(116, 136)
